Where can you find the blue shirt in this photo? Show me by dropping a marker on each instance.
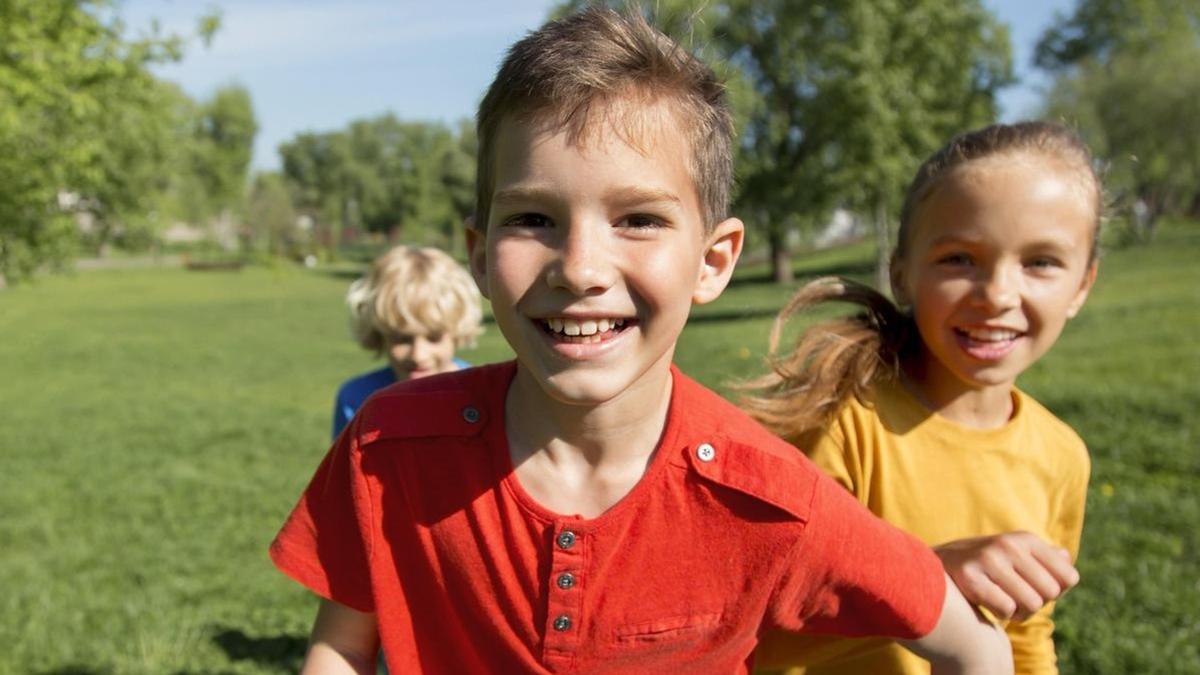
(355, 391)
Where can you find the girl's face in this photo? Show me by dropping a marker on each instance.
(997, 260)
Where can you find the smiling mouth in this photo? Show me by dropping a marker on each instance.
(988, 335)
(584, 331)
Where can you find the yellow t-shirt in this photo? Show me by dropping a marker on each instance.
(942, 481)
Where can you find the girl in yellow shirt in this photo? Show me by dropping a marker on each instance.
(916, 411)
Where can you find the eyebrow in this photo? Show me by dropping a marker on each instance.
(1062, 243)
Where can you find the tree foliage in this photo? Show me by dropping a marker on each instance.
(410, 180)
(1099, 29)
(1129, 79)
(85, 128)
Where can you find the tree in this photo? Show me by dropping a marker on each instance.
(83, 125)
(1099, 29)
(410, 180)
(224, 130)
(1141, 113)
(1128, 76)
(271, 219)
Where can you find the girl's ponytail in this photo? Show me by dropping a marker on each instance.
(832, 360)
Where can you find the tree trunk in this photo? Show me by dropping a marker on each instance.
(781, 261)
(883, 249)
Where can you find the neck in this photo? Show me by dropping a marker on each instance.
(987, 407)
(624, 428)
(584, 458)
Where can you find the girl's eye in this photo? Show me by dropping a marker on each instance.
(642, 221)
(527, 220)
(1044, 263)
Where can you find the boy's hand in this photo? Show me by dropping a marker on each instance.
(1012, 575)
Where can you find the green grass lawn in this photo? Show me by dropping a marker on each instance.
(160, 424)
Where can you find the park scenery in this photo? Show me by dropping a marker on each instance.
(174, 322)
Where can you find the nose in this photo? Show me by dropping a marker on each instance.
(999, 287)
(584, 265)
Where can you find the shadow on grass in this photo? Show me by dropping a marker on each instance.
(283, 652)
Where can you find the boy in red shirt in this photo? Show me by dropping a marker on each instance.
(587, 507)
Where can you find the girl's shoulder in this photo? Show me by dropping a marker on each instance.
(1041, 421)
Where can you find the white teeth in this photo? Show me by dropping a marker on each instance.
(990, 334)
(582, 328)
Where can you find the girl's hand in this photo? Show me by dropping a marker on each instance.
(1012, 575)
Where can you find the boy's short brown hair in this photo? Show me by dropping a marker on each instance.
(562, 74)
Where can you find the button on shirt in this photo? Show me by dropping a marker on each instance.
(416, 514)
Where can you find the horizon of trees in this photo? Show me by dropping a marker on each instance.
(837, 102)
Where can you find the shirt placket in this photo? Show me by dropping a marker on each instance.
(564, 618)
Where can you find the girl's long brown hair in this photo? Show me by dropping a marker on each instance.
(831, 361)
(837, 359)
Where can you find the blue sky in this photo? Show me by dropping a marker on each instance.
(318, 64)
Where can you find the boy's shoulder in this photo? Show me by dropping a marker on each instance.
(742, 455)
(450, 404)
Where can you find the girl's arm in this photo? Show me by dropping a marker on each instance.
(343, 640)
(962, 642)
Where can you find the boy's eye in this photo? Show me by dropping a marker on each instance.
(395, 340)
(641, 220)
(527, 220)
(954, 259)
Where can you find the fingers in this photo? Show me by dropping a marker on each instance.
(1030, 585)
(979, 589)
(1012, 575)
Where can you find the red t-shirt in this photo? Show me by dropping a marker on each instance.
(415, 514)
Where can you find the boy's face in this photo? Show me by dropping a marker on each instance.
(594, 253)
(412, 356)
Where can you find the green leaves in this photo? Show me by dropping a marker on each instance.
(1129, 79)
(409, 179)
(84, 127)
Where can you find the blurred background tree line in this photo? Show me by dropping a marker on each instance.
(837, 102)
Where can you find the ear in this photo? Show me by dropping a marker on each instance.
(722, 248)
(477, 255)
(1085, 287)
(896, 275)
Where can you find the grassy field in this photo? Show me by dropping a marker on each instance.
(159, 424)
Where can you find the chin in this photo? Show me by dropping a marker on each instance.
(577, 391)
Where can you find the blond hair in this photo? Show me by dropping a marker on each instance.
(414, 291)
(837, 359)
(564, 75)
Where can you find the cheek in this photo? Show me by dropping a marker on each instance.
(511, 267)
(665, 274)
(400, 352)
